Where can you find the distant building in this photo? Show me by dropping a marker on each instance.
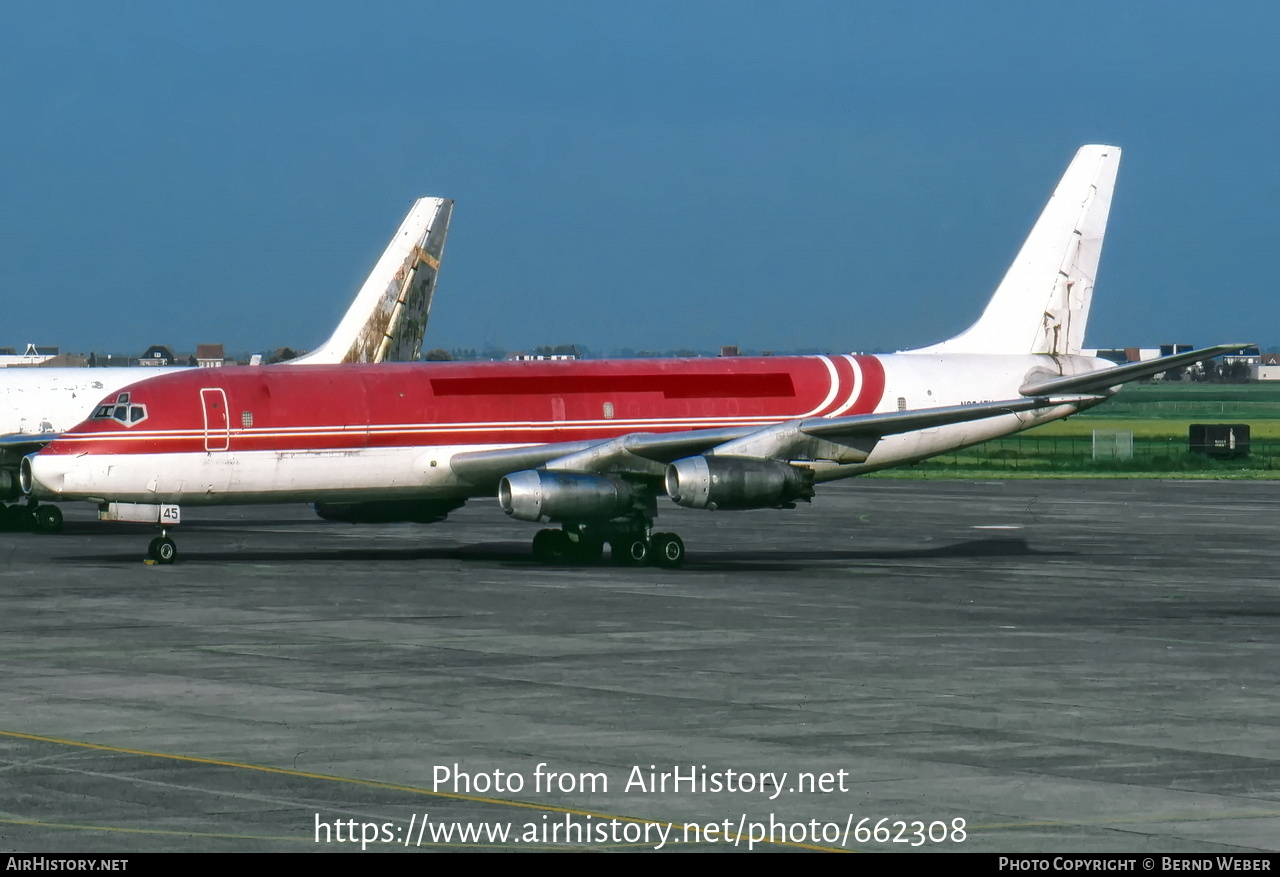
(1123, 355)
(1118, 355)
(64, 360)
(33, 355)
(210, 356)
(1249, 356)
(531, 357)
(1268, 368)
(157, 355)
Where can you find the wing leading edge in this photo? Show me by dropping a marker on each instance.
(26, 442)
(839, 439)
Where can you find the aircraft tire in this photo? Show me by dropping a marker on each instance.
(17, 518)
(163, 550)
(48, 519)
(552, 546)
(668, 550)
(631, 552)
(588, 550)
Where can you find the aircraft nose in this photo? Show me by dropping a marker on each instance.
(44, 477)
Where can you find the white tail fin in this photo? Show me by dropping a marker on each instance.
(1042, 304)
(386, 321)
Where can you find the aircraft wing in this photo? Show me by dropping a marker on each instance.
(1100, 381)
(843, 439)
(484, 466)
(850, 439)
(23, 443)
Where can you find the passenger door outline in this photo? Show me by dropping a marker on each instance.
(217, 427)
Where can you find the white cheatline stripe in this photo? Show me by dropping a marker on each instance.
(422, 431)
(831, 394)
(855, 391)
(429, 429)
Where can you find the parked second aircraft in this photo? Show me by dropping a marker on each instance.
(385, 322)
(591, 445)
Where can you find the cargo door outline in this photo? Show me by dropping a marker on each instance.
(217, 427)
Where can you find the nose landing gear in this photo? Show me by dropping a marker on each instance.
(162, 549)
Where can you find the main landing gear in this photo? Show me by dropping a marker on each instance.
(573, 545)
(32, 516)
(660, 549)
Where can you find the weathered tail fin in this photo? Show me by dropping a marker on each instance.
(386, 321)
(1042, 304)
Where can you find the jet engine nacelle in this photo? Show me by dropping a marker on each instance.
(736, 483)
(539, 495)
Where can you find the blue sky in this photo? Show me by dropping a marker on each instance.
(846, 176)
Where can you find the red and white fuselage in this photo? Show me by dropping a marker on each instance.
(355, 433)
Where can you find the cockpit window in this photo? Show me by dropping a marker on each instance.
(122, 411)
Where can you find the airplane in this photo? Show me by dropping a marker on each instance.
(591, 445)
(385, 322)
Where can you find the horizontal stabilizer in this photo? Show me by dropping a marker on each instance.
(1100, 381)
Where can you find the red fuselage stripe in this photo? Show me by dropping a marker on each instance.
(423, 405)
(872, 385)
(671, 386)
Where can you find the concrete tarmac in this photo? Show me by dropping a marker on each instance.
(1020, 666)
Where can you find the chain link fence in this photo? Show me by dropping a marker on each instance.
(1077, 453)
